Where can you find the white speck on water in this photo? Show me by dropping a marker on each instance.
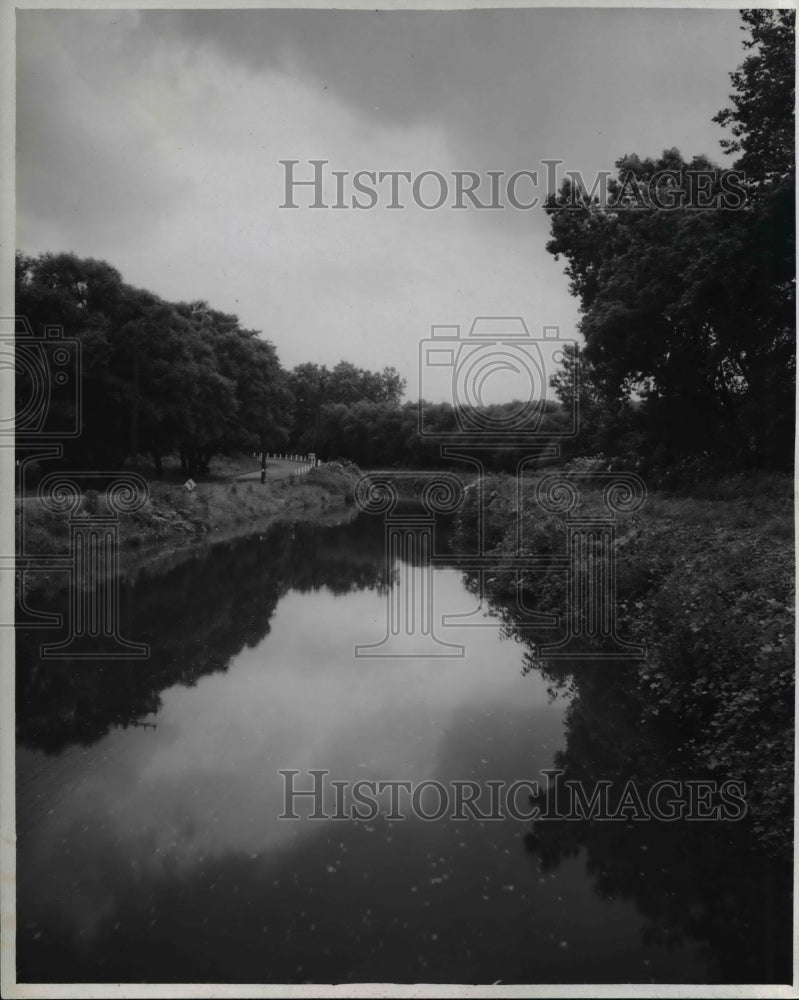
(563, 944)
(331, 869)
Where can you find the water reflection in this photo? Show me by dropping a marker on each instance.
(195, 617)
(704, 882)
(148, 796)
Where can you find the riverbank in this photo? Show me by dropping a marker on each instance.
(706, 582)
(172, 517)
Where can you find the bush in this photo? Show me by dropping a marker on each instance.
(339, 477)
(707, 583)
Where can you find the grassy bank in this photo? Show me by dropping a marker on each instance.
(706, 581)
(173, 517)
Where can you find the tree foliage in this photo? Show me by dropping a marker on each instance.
(762, 112)
(156, 377)
(687, 312)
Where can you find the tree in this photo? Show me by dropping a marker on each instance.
(85, 298)
(316, 387)
(761, 118)
(155, 376)
(690, 314)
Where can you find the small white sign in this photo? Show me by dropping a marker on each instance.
(190, 484)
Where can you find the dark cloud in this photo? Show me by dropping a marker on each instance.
(152, 139)
(513, 84)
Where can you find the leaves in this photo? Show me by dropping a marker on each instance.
(688, 315)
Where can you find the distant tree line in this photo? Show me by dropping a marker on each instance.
(379, 435)
(159, 378)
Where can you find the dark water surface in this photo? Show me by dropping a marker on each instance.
(149, 844)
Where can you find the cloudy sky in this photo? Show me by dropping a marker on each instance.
(152, 140)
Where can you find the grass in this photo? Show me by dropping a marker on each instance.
(173, 516)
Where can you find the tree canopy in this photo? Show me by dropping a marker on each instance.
(687, 312)
(156, 376)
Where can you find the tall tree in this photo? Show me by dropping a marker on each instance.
(690, 311)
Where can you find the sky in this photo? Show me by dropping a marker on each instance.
(153, 140)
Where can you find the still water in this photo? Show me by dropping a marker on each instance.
(149, 843)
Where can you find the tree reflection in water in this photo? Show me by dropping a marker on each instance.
(695, 883)
(196, 618)
(707, 882)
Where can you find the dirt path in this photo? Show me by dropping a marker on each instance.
(277, 468)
